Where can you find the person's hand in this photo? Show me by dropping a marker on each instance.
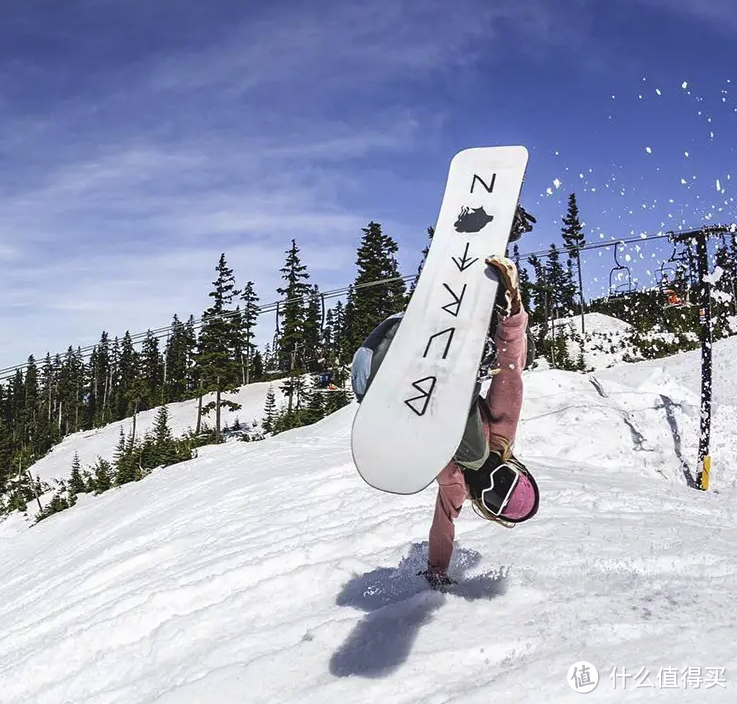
(510, 303)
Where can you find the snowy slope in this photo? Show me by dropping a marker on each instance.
(605, 341)
(101, 442)
(268, 572)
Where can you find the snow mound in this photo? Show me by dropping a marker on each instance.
(605, 342)
(101, 442)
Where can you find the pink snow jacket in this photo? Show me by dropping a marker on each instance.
(504, 398)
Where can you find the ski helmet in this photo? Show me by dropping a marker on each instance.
(370, 355)
(503, 490)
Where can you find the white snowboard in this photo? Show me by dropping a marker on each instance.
(410, 422)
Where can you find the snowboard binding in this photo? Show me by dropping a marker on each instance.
(523, 222)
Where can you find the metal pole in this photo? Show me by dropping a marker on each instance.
(580, 292)
(702, 477)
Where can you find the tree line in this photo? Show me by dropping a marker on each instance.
(66, 393)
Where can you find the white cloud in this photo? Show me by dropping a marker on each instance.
(118, 198)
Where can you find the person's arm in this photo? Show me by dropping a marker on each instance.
(504, 396)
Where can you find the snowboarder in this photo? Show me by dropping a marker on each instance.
(484, 468)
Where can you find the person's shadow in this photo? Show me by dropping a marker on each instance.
(399, 603)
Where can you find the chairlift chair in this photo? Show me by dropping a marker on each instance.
(673, 284)
(625, 288)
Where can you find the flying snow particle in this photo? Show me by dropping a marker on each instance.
(683, 181)
(719, 185)
(549, 191)
(686, 153)
(556, 182)
(714, 276)
(648, 150)
(684, 85)
(657, 90)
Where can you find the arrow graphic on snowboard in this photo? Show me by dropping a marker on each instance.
(466, 261)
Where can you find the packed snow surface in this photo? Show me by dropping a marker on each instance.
(268, 572)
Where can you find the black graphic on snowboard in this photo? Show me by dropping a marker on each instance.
(455, 307)
(425, 394)
(465, 261)
(489, 188)
(447, 331)
(472, 220)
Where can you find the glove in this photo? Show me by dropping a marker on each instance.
(510, 303)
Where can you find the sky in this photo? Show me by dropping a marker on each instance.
(142, 139)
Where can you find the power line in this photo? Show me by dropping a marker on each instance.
(159, 333)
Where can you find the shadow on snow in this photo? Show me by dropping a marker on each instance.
(398, 603)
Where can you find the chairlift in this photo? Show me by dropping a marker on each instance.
(673, 283)
(624, 288)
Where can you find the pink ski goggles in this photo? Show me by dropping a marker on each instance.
(512, 494)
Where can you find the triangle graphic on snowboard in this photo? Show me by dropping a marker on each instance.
(418, 404)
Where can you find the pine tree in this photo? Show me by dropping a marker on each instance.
(269, 411)
(76, 483)
(103, 476)
(249, 318)
(30, 401)
(127, 376)
(315, 409)
(574, 239)
(151, 372)
(425, 252)
(100, 370)
(368, 306)
(328, 333)
(539, 292)
(6, 456)
(293, 310)
(292, 352)
(178, 355)
(125, 468)
(257, 366)
(556, 278)
(164, 445)
(313, 330)
(339, 335)
(218, 370)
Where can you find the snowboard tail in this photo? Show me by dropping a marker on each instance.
(409, 424)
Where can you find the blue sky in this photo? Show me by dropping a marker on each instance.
(142, 138)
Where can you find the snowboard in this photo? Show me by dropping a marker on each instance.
(409, 424)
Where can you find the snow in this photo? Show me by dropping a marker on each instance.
(605, 342)
(269, 572)
(101, 442)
